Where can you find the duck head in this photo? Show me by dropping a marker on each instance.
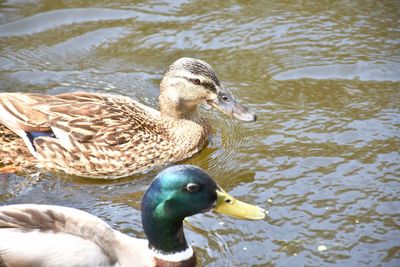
(189, 82)
(179, 192)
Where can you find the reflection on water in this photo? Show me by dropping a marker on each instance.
(322, 76)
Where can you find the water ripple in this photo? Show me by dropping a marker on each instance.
(323, 78)
(363, 71)
(57, 18)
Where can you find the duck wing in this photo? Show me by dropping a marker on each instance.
(45, 235)
(80, 117)
(18, 113)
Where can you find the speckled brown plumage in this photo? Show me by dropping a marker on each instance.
(14, 153)
(110, 136)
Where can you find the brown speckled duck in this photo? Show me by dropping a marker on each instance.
(108, 136)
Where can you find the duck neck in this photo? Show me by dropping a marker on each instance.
(177, 109)
(164, 236)
(171, 104)
(166, 239)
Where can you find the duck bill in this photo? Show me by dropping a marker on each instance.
(226, 103)
(230, 206)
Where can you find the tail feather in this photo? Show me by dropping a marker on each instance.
(13, 151)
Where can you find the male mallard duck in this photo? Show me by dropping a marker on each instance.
(44, 235)
(110, 136)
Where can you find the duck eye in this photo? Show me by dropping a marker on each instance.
(191, 187)
(225, 98)
(196, 81)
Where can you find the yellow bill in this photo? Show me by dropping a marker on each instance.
(230, 206)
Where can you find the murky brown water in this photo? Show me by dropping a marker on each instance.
(323, 77)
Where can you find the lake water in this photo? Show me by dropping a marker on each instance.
(322, 76)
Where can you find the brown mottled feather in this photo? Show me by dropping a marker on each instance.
(14, 152)
(102, 136)
(109, 136)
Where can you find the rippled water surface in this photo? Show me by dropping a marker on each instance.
(322, 76)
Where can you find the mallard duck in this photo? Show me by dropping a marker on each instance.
(45, 235)
(109, 136)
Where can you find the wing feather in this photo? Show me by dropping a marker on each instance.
(105, 120)
(39, 233)
(46, 235)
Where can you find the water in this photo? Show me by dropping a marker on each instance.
(322, 76)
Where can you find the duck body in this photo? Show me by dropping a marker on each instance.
(49, 235)
(109, 136)
(101, 136)
(46, 235)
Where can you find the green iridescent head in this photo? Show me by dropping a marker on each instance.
(181, 191)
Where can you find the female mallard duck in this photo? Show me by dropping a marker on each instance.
(59, 236)
(109, 136)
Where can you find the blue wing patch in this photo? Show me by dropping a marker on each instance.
(32, 135)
